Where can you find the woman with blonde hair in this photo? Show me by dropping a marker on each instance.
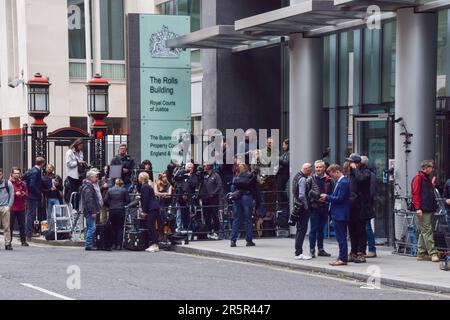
(163, 189)
(150, 210)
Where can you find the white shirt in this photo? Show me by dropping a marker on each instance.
(71, 163)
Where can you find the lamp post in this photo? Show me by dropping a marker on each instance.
(98, 109)
(38, 108)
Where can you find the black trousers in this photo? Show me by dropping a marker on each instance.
(211, 214)
(20, 217)
(302, 228)
(152, 217)
(357, 231)
(74, 186)
(117, 219)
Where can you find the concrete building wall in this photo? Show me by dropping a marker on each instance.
(237, 91)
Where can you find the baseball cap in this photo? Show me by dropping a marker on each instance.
(354, 157)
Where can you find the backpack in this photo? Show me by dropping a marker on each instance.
(5, 186)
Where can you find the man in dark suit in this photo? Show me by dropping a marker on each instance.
(340, 204)
(34, 200)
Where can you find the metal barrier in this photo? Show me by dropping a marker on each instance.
(268, 225)
(406, 243)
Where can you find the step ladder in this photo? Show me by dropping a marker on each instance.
(78, 222)
(61, 219)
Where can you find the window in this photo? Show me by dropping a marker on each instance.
(112, 29)
(389, 54)
(371, 66)
(76, 23)
(190, 8)
(442, 54)
(345, 64)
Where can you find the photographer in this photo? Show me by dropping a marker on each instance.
(186, 183)
(127, 163)
(304, 190)
(75, 168)
(210, 193)
(52, 184)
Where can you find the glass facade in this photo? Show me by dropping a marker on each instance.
(190, 8)
(359, 100)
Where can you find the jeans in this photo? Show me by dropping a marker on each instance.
(370, 238)
(32, 211)
(302, 228)
(183, 216)
(178, 218)
(242, 212)
(20, 217)
(448, 221)
(128, 186)
(318, 221)
(90, 231)
(50, 204)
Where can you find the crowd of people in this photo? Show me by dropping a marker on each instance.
(319, 192)
(348, 195)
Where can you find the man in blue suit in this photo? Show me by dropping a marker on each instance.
(340, 208)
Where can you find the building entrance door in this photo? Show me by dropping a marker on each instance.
(373, 137)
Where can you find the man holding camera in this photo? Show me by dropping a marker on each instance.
(123, 159)
(304, 190)
(210, 194)
(186, 183)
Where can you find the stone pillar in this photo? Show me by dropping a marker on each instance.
(415, 94)
(306, 98)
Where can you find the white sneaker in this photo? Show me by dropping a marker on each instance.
(152, 249)
(303, 257)
(214, 236)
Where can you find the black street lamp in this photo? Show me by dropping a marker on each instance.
(98, 109)
(38, 108)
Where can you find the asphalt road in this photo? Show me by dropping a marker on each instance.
(40, 272)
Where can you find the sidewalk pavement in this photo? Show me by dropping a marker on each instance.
(396, 270)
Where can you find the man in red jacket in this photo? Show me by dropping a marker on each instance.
(18, 208)
(424, 201)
